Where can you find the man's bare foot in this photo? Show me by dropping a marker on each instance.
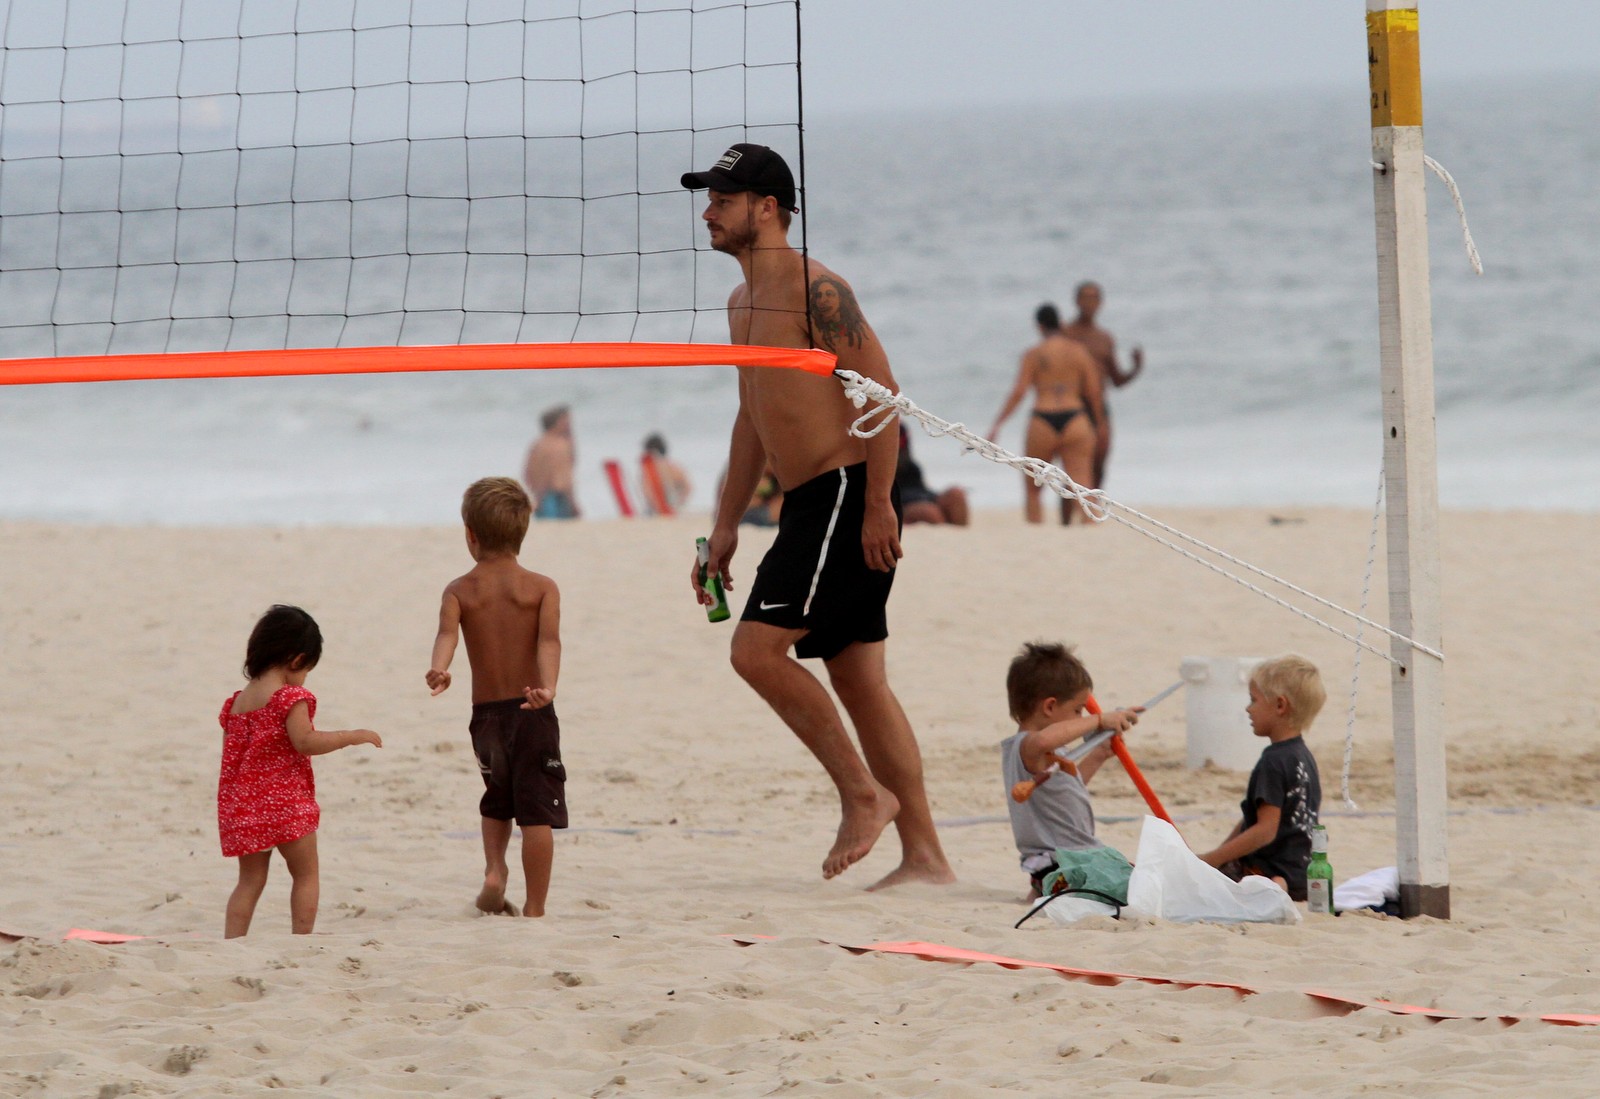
(930, 872)
(863, 823)
(492, 899)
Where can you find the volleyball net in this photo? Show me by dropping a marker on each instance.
(227, 187)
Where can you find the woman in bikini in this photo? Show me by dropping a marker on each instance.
(1067, 404)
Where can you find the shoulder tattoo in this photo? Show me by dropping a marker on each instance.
(835, 317)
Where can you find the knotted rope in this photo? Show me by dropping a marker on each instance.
(1100, 507)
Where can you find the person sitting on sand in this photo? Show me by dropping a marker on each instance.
(1284, 794)
(765, 503)
(666, 483)
(921, 503)
(1047, 689)
(511, 619)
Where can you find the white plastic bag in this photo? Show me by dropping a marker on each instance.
(1069, 909)
(1169, 882)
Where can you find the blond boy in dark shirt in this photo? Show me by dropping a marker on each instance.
(1284, 796)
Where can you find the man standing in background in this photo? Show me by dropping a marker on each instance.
(548, 473)
(1103, 349)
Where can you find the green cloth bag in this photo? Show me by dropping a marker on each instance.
(1096, 869)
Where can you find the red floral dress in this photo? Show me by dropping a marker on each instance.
(266, 794)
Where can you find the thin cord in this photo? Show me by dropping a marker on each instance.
(1355, 667)
(800, 140)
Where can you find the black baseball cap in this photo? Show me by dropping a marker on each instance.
(745, 167)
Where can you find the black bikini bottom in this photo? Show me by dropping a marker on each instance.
(1060, 419)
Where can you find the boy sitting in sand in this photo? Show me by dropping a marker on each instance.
(1047, 688)
(1284, 795)
(511, 619)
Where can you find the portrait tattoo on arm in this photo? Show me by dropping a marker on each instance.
(835, 314)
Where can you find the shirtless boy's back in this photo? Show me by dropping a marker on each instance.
(511, 619)
(499, 607)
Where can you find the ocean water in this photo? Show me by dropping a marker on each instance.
(1234, 240)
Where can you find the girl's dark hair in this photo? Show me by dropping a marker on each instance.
(283, 634)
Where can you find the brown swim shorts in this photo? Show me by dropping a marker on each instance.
(519, 756)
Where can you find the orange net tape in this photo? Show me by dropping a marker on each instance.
(387, 360)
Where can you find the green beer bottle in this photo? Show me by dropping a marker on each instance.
(712, 583)
(1319, 874)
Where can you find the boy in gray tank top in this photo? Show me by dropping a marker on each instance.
(1047, 689)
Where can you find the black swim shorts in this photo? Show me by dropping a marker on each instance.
(1239, 869)
(519, 755)
(815, 576)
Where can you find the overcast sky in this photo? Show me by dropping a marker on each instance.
(942, 53)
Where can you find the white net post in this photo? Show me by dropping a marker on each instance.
(1405, 327)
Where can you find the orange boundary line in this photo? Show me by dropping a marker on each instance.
(105, 938)
(389, 360)
(934, 952)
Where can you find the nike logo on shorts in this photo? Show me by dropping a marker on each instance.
(771, 606)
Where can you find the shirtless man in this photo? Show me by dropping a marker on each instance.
(1104, 350)
(548, 473)
(1068, 402)
(823, 586)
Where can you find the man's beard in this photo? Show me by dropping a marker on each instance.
(735, 240)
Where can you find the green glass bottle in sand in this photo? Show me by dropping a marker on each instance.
(712, 583)
(1319, 874)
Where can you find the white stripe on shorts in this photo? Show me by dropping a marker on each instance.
(822, 557)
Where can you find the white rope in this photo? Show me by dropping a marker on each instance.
(860, 390)
(1098, 506)
(1461, 211)
(1455, 196)
(1355, 667)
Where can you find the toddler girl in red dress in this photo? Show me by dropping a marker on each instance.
(266, 795)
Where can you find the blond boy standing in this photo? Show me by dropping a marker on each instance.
(511, 619)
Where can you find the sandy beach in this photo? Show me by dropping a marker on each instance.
(698, 822)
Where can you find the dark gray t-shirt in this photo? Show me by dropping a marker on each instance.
(1285, 776)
